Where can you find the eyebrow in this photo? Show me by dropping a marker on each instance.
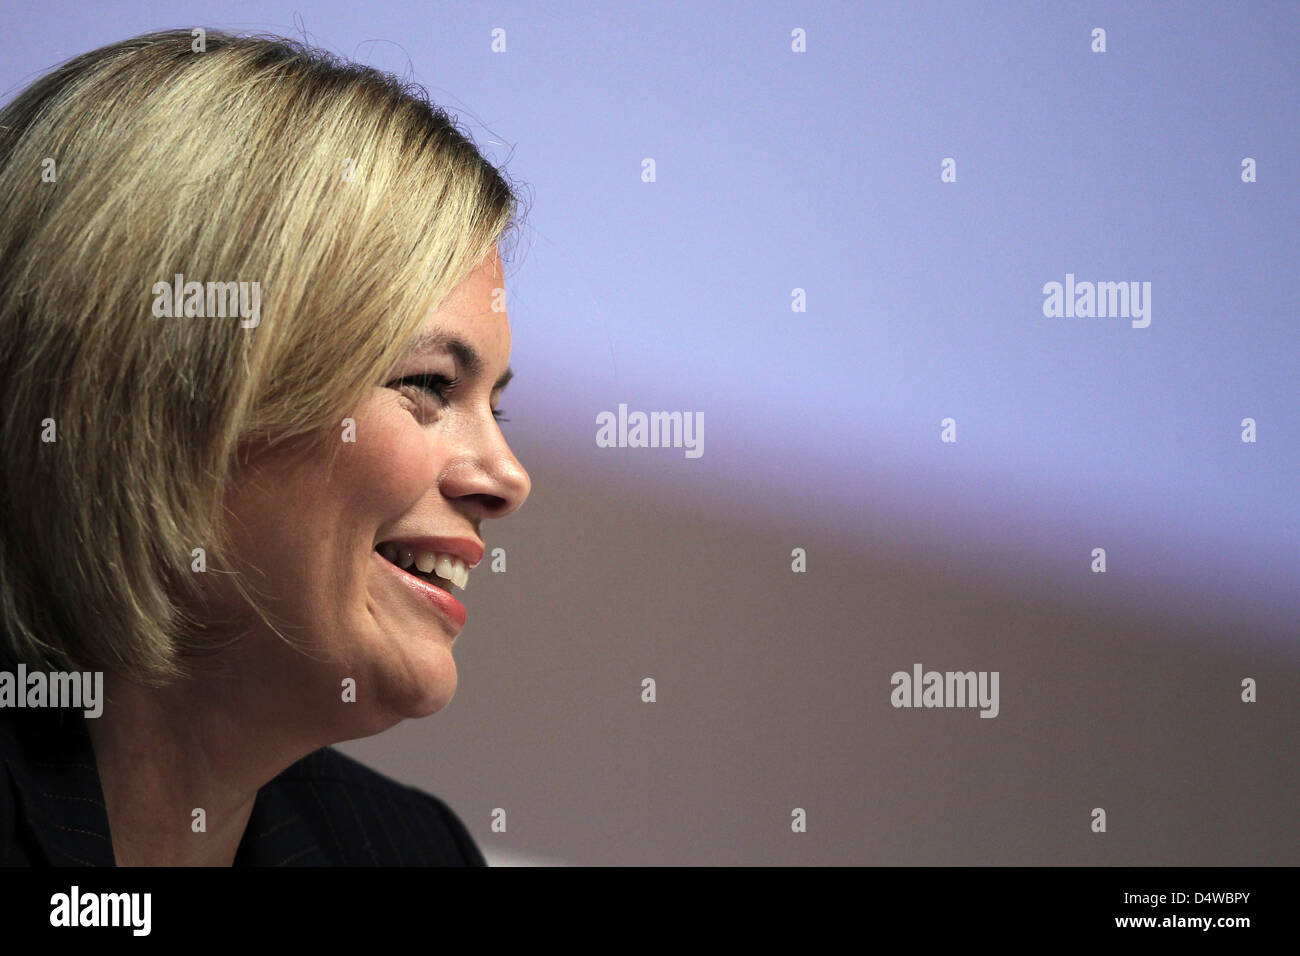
(463, 352)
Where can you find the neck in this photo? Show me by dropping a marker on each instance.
(180, 766)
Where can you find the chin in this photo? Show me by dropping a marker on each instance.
(422, 685)
(396, 704)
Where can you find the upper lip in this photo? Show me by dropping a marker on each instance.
(467, 549)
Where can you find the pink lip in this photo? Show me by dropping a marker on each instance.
(467, 549)
(441, 600)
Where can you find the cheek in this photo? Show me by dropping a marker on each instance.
(393, 463)
(330, 508)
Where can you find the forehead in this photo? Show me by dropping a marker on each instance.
(471, 324)
(482, 291)
(476, 306)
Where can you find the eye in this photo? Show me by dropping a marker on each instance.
(438, 385)
(431, 383)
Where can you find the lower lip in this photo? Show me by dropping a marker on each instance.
(441, 600)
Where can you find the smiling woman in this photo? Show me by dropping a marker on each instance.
(254, 530)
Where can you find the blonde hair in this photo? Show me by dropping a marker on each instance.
(355, 203)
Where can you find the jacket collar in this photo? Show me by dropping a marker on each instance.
(52, 763)
(58, 787)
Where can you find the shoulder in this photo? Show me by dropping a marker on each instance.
(357, 812)
(9, 751)
(51, 807)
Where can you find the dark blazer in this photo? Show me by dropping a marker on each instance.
(325, 810)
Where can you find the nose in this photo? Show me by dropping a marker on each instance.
(486, 480)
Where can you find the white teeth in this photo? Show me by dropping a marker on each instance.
(446, 566)
(452, 569)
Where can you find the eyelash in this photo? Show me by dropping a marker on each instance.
(439, 386)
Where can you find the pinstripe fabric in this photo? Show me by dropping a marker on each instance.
(325, 810)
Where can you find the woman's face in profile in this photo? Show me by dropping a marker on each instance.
(323, 540)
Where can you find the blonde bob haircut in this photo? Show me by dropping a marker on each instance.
(354, 203)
